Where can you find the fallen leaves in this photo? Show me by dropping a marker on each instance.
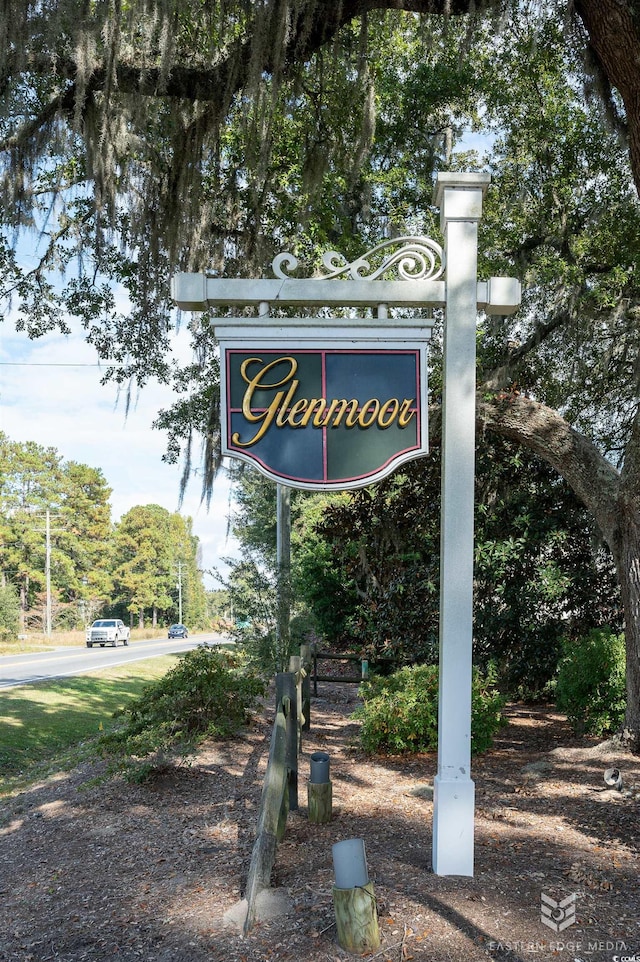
(147, 873)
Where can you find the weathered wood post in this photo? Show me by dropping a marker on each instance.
(305, 655)
(270, 819)
(320, 802)
(354, 900)
(356, 919)
(295, 667)
(286, 689)
(314, 659)
(319, 790)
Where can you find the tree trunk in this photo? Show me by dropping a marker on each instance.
(154, 617)
(614, 38)
(627, 559)
(23, 606)
(141, 618)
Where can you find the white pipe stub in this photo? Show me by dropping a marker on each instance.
(350, 863)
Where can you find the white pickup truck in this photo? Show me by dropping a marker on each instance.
(107, 631)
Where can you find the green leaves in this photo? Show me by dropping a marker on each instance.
(368, 566)
(205, 695)
(400, 713)
(591, 682)
(34, 479)
(153, 550)
(9, 613)
(562, 213)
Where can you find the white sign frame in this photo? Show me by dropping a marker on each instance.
(459, 196)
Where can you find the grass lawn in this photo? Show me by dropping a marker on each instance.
(43, 725)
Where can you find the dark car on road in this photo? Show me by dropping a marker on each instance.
(178, 631)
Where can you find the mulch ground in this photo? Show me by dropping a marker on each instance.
(107, 870)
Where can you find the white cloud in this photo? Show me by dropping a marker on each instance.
(50, 393)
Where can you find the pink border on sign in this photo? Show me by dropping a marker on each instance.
(325, 441)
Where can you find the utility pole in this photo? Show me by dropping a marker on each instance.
(179, 587)
(48, 620)
(47, 571)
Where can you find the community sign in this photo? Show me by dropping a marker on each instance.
(338, 414)
(315, 404)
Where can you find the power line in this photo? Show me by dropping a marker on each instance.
(57, 364)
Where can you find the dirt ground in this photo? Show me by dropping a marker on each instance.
(115, 871)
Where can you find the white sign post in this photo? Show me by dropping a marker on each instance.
(453, 795)
(460, 199)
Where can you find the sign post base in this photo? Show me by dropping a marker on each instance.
(453, 817)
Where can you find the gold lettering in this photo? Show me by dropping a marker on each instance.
(406, 414)
(298, 408)
(316, 410)
(352, 416)
(336, 410)
(284, 410)
(257, 383)
(283, 416)
(388, 412)
(366, 417)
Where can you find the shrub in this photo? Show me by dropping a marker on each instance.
(9, 613)
(400, 712)
(590, 688)
(205, 695)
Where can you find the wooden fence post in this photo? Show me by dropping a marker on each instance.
(314, 658)
(269, 820)
(305, 655)
(295, 666)
(319, 802)
(286, 689)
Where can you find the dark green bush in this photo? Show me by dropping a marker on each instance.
(9, 613)
(400, 712)
(205, 695)
(590, 688)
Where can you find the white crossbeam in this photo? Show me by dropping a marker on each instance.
(199, 292)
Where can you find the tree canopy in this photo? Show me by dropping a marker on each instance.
(142, 137)
(155, 565)
(144, 562)
(34, 480)
(365, 564)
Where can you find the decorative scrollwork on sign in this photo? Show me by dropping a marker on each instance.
(416, 259)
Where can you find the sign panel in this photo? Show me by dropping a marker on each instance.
(328, 415)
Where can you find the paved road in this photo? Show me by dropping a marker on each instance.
(44, 665)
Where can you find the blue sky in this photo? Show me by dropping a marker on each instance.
(50, 393)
